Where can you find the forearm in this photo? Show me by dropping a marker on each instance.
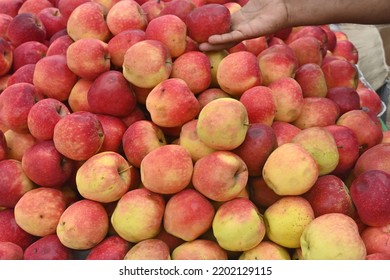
(316, 12)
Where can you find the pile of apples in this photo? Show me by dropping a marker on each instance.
(120, 139)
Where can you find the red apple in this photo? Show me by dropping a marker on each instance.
(309, 31)
(136, 115)
(79, 135)
(53, 77)
(346, 50)
(152, 8)
(59, 45)
(10, 7)
(15, 104)
(53, 20)
(28, 53)
(260, 194)
(34, 6)
(312, 80)
(340, 73)
(369, 98)
(374, 158)
(18, 143)
(210, 94)
(346, 98)
(207, 20)
(376, 239)
(66, 7)
(284, 131)
(43, 116)
(5, 19)
(307, 49)
(260, 141)
(78, 97)
(195, 69)
(26, 27)
(329, 194)
(370, 192)
(47, 247)
(113, 128)
(111, 94)
(14, 182)
(256, 45)
(111, 248)
(10, 251)
(118, 44)
(24, 74)
(180, 8)
(45, 166)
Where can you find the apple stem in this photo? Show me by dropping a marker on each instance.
(126, 169)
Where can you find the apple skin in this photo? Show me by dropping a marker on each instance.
(24, 74)
(25, 27)
(260, 141)
(195, 69)
(332, 236)
(47, 247)
(345, 97)
(105, 92)
(119, 43)
(10, 251)
(28, 53)
(83, 225)
(276, 62)
(12, 232)
(149, 249)
(57, 85)
(370, 193)
(113, 128)
(170, 30)
(66, 7)
(348, 148)
(88, 58)
(79, 135)
(375, 158)
(223, 124)
(238, 226)
(228, 179)
(368, 137)
(125, 15)
(11, 8)
(3, 146)
(79, 24)
(321, 144)
(188, 214)
(53, 20)
(199, 249)
(105, 177)
(5, 19)
(286, 219)
(59, 45)
(138, 215)
(378, 256)
(34, 7)
(207, 20)
(159, 176)
(284, 131)
(369, 98)
(78, 97)
(14, 182)
(376, 239)
(43, 116)
(317, 111)
(18, 143)
(7, 56)
(259, 104)
(255, 45)
(260, 194)
(39, 210)
(266, 250)
(139, 139)
(290, 162)
(171, 103)
(189, 139)
(288, 99)
(152, 9)
(312, 80)
(329, 194)
(112, 247)
(15, 104)
(147, 73)
(235, 79)
(347, 50)
(179, 8)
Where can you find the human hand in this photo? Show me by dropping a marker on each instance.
(256, 18)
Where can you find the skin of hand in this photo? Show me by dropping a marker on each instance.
(256, 17)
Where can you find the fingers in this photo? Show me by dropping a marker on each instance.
(211, 47)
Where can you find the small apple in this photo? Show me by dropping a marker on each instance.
(138, 215)
(207, 20)
(286, 219)
(149, 249)
(29, 52)
(346, 50)
(312, 80)
(78, 97)
(199, 249)
(66, 7)
(79, 135)
(18, 143)
(47, 247)
(375, 158)
(180, 8)
(24, 74)
(39, 210)
(223, 124)
(332, 236)
(238, 225)
(43, 116)
(266, 250)
(167, 177)
(376, 239)
(340, 72)
(83, 225)
(25, 27)
(104, 177)
(152, 8)
(11, 8)
(307, 49)
(369, 98)
(370, 192)
(34, 7)
(345, 97)
(59, 45)
(52, 19)
(10, 251)
(113, 128)
(188, 214)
